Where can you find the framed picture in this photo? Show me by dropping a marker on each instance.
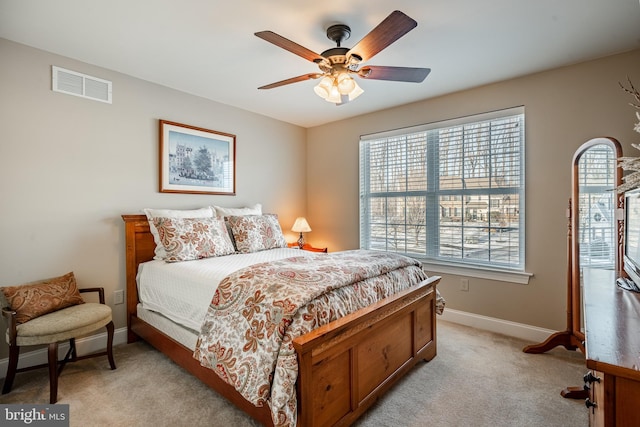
(196, 160)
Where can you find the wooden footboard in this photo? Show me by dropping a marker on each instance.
(345, 366)
(348, 364)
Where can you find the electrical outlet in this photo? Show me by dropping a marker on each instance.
(118, 297)
(464, 285)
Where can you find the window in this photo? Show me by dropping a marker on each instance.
(449, 192)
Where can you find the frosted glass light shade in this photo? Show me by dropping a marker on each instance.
(334, 95)
(356, 92)
(345, 84)
(323, 89)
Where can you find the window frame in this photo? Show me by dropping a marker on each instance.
(432, 193)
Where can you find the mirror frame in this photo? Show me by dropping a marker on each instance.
(574, 295)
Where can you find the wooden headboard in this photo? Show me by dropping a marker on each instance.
(140, 248)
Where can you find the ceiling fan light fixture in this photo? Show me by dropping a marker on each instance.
(334, 89)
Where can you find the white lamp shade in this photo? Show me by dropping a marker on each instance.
(301, 225)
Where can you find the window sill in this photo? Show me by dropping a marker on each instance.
(519, 277)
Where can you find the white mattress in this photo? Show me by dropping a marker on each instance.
(182, 291)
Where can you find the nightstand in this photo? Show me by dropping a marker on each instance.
(308, 247)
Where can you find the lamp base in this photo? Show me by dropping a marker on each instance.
(300, 241)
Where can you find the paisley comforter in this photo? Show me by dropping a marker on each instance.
(256, 312)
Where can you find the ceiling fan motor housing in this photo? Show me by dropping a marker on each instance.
(338, 55)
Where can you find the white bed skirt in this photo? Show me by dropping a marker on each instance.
(184, 336)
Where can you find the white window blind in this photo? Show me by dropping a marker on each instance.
(450, 191)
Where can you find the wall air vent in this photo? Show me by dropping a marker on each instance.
(82, 85)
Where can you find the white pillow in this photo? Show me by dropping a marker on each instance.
(251, 210)
(160, 253)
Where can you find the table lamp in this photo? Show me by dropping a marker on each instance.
(301, 226)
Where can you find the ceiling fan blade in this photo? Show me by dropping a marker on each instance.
(287, 44)
(397, 74)
(292, 80)
(394, 26)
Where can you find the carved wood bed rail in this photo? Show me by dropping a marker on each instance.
(344, 367)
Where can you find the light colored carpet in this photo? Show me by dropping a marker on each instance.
(477, 379)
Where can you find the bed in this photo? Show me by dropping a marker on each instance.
(342, 367)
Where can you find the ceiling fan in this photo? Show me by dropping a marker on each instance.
(339, 63)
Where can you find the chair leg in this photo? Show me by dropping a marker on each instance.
(110, 328)
(14, 352)
(53, 373)
(72, 348)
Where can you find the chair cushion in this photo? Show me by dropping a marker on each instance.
(44, 296)
(61, 325)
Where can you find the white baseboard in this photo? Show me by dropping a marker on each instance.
(86, 345)
(530, 333)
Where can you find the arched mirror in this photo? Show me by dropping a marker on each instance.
(594, 237)
(596, 228)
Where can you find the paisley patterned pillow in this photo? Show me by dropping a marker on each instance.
(45, 296)
(254, 233)
(187, 239)
(207, 212)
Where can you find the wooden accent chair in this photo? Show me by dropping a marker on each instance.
(54, 327)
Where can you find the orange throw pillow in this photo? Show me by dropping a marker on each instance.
(45, 296)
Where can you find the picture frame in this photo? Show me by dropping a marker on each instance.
(195, 160)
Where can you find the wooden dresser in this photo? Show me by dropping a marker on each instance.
(612, 335)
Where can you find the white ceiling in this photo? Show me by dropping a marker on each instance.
(207, 47)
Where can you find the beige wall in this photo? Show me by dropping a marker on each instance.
(69, 167)
(564, 108)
